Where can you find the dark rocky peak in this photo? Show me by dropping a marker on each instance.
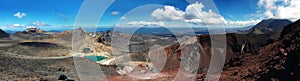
(78, 30)
(3, 34)
(268, 26)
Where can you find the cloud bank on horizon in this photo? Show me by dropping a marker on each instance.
(195, 14)
(235, 13)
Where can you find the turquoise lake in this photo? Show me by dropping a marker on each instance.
(95, 58)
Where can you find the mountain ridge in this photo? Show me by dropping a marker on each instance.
(268, 26)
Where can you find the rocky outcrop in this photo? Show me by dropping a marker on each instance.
(104, 37)
(3, 34)
(268, 26)
(30, 33)
(33, 31)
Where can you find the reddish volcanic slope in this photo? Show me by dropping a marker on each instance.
(277, 60)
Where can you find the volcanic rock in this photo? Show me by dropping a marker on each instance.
(33, 31)
(104, 37)
(276, 61)
(289, 28)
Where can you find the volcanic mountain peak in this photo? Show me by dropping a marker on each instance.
(3, 34)
(78, 30)
(268, 26)
(70, 32)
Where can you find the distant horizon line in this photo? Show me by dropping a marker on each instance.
(218, 26)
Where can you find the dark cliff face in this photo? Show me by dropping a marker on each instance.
(291, 43)
(241, 43)
(3, 34)
(268, 26)
(288, 30)
(245, 43)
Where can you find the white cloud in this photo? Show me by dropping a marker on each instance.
(281, 9)
(195, 14)
(145, 24)
(243, 23)
(38, 23)
(269, 14)
(14, 25)
(167, 13)
(193, 11)
(268, 4)
(215, 21)
(114, 13)
(123, 18)
(20, 15)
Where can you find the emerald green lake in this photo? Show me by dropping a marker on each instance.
(95, 58)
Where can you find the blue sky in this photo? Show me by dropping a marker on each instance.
(64, 12)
